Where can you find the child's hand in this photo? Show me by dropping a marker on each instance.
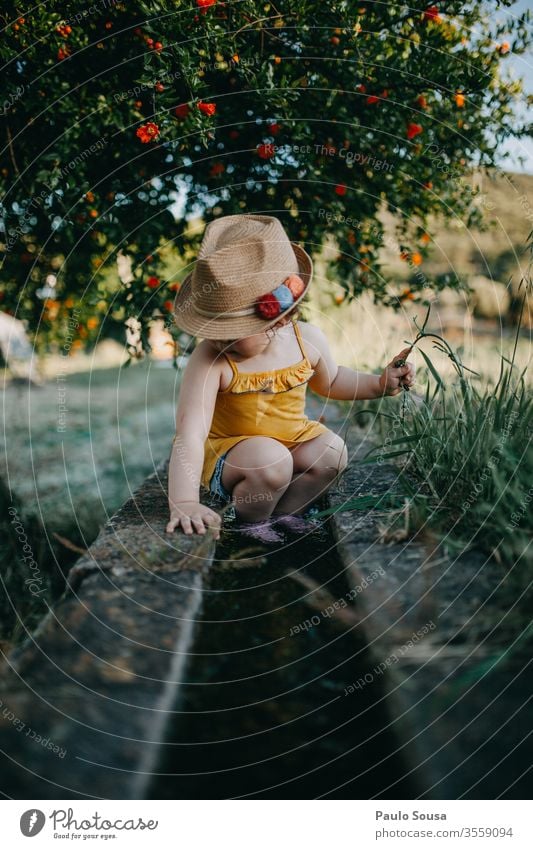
(394, 377)
(194, 517)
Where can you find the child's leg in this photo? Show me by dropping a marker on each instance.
(256, 472)
(316, 464)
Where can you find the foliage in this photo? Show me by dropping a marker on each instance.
(319, 113)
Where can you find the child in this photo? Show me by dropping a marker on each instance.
(241, 429)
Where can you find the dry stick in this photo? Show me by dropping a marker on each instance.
(69, 544)
(257, 21)
(11, 151)
(443, 346)
(320, 598)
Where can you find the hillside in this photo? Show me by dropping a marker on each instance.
(499, 252)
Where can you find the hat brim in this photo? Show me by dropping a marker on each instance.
(225, 326)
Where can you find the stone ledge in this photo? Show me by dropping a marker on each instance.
(98, 680)
(443, 712)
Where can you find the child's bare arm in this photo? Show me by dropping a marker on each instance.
(196, 403)
(344, 384)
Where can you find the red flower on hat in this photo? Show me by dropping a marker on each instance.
(268, 306)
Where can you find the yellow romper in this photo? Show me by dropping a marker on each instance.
(268, 403)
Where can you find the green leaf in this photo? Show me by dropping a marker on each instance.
(433, 370)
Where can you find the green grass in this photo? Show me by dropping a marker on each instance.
(472, 452)
(468, 452)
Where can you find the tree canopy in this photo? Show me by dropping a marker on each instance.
(320, 113)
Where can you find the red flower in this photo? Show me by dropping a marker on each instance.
(168, 305)
(265, 151)
(361, 87)
(268, 306)
(153, 282)
(204, 4)
(340, 190)
(274, 128)
(414, 130)
(421, 101)
(63, 53)
(158, 46)
(432, 14)
(216, 169)
(175, 287)
(182, 110)
(207, 108)
(148, 132)
(372, 98)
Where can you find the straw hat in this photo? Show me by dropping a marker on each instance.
(241, 259)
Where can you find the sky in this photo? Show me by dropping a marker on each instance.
(521, 66)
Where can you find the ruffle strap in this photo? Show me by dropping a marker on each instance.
(272, 383)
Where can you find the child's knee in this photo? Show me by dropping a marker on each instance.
(272, 466)
(339, 453)
(343, 461)
(334, 458)
(276, 471)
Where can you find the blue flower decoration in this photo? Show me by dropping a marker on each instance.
(284, 296)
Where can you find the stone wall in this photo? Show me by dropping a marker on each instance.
(86, 700)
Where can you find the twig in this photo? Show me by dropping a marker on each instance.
(257, 21)
(68, 544)
(11, 151)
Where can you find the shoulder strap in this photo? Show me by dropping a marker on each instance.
(232, 364)
(299, 338)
